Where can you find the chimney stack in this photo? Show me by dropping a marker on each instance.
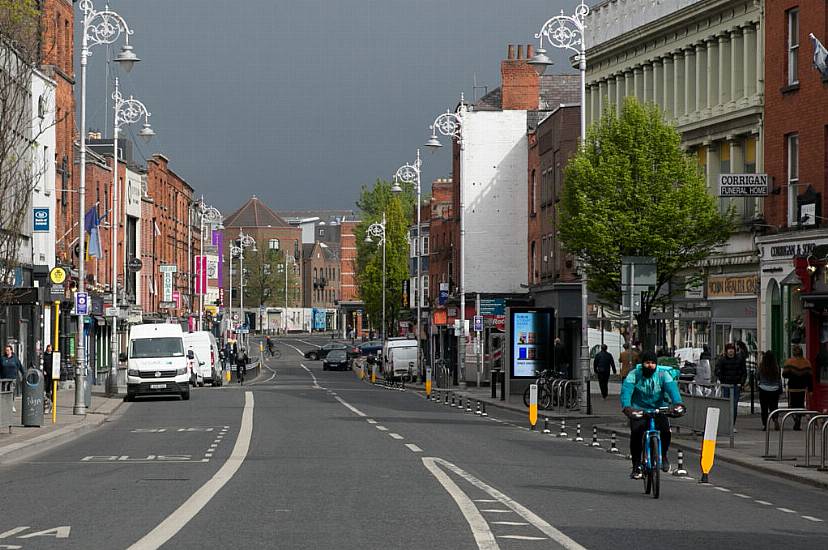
(520, 83)
(510, 52)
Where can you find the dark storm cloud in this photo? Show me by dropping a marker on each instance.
(301, 102)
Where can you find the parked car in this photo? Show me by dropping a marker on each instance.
(335, 359)
(321, 353)
(203, 343)
(369, 348)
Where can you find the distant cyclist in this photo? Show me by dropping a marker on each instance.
(241, 365)
(649, 387)
(269, 345)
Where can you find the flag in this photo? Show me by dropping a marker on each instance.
(820, 56)
(91, 222)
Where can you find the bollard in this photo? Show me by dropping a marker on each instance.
(468, 405)
(563, 429)
(680, 471)
(477, 412)
(493, 383)
(577, 433)
(613, 449)
(546, 425)
(484, 413)
(452, 399)
(460, 402)
(446, 398)
(595, 437)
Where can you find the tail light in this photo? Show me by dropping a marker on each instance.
(212, 357)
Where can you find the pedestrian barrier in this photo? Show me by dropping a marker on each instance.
(810, 440)
(6, 403)
(697, 398)
(772, 416)
(785, 416)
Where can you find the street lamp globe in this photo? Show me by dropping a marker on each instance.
(368, 239)
(396, 189)
(540, 61)
(126, 58)
(146, 133)
(433, 142)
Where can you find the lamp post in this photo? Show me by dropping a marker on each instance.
(451, 125)
(212, 216)
(99, 27)
(410, 173)
(245, 241)
(127, 111)
(234, 251)
(377, 231)
(567, 32)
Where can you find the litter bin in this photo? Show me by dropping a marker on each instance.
(33, 398)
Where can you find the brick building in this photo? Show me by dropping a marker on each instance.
(350, 304)
(796, 159)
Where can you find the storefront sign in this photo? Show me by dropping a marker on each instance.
(743, 185)
(791, 250)
(490, 307)
(41, 220)
(727, 287)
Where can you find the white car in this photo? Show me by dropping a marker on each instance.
(207, 366)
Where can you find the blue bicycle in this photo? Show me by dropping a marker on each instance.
(651, 448)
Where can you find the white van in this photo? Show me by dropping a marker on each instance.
(399, 358)
(156, 361)
(203, 344)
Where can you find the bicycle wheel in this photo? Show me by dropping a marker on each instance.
(646, 467)
(545, 397)
(654, 460)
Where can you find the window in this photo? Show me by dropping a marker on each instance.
(533, 194)
(701, 154)
(792, 146)
(793, 46)
(750, 155)
(273, 244)
(425, 245)
(724, 157)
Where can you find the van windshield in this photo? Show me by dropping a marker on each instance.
(156, 347)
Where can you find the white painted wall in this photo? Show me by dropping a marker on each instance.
(494, 164)
(43, 167)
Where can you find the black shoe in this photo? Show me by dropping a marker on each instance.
(665, 465)
(636, 473)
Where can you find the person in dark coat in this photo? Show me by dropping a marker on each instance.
(731, 372)
(797, 371)
(10, 365)
(47, 370)
(770, 386)
(560, 357)
(602, 364)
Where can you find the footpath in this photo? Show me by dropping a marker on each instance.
(21, 442)
(749, 439)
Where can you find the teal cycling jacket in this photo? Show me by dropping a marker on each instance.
(640, 392)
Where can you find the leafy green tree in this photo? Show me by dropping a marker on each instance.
(265, 278)
(374, 201)
(632, 191)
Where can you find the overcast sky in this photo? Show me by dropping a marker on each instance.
(301, 102)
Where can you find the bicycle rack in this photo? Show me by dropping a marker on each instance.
(774, 413)
(824, 445)
(562, 404)
(810, 440)
(785, 416)
(553, 390)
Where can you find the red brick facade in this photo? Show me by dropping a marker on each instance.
(441, 238)
(349, 290)
(520, 82)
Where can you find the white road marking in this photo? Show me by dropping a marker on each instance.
(11, 532)
(812, 518)
(521, 510)
(485, 500)
(300, 352)
(740, 495)
(168, 528)
(352, 408)
(519, 537)
(208, 455)
(396, 436)
(480, 529)
(272, 376)
(722, 489)
(497, 511)
(786, 510)
(61, 532)
(371, 421)
(315, 383)
(763, 502)
(515, 523)
(413, 448)
(381, 428)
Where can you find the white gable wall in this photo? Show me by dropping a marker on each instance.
(494, 164)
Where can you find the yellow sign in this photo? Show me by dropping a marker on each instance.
(726, 287)
(533, 405)
(428, 382)
(57, 275)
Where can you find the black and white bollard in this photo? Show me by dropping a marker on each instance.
(477, 411)
(595, 437)
(563, 428)
(460, 402)
(446, 398)
(484, 413)
(546, 429)
(578, 433)
(452, 400)
(680, 471)
(468, 405)
(613, 449)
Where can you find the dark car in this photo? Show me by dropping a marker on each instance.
(370, 348)
(316, 354)
(336, 359)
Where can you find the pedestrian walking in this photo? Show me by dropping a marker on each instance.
(629, 359)
(602, 364)
(269, 345)
(10, 366)
(561, 358)
(731, 372)
(702, 375)
(770, 387)
(241, 365)
(797, 371)
(47, 370)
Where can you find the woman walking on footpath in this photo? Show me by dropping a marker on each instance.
(731, 373)
(797, 371)
(770, 387)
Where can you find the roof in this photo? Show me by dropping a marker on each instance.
(254, 213)
(555, 89)
(296, 216)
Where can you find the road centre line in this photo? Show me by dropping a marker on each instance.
(176, 521)
(315, 383)
(786, 510)
(518, 508)
(395, 436)
(812, 518)
(763, 502)
(370, 420)
(353, 409)
(413, 448)
(381, 428)
(300, 352)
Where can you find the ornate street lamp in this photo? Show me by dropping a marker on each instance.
(377, 231)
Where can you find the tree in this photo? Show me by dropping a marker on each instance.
(265, 279)
(21, 125)
(397, 208)
(632, 191)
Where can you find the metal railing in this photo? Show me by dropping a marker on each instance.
(785, 413)
(810, 440)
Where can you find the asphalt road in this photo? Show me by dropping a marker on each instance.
(301, 458)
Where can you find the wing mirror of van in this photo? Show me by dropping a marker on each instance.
(190, 354)
(122, 357)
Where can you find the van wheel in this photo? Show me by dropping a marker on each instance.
(129, 397)
(186, 395)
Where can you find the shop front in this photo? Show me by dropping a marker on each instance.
(733, 300)
(813, 328)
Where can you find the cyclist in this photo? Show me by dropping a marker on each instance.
(241, 365)
(649, 387)
(269, 345)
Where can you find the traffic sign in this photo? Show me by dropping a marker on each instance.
(57, 275)
(81, 303)
(135, 265)
(478, 323)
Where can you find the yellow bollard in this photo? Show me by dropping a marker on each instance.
(227, 375)
(428, 382)
(533, 405)
(374, 373)
(711, 428)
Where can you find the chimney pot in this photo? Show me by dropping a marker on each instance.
(530, 51)
(520, 51)
(510, 52)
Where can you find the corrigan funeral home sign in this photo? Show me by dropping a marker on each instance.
(743, 185)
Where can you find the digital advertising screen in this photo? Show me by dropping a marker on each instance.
(532, 340)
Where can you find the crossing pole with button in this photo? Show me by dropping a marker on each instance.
(533, 405)
(428, 382)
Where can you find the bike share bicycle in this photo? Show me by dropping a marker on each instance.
(546, 397)
(651, 451)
